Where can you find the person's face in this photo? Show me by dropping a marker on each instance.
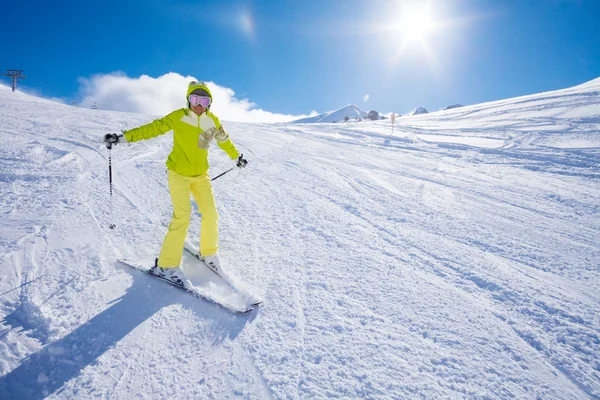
(198, 109)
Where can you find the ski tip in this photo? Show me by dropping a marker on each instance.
(254, 306)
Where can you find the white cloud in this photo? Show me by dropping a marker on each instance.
(160, 96)
(366, 98)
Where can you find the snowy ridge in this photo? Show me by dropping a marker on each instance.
(456, 258)
(450, 107)
(351, 111)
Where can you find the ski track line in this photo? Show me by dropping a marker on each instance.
(133, 360)
(24, 310)
(544, 279)
(301, 324)
(267, 392)
(563, 371)
(20, 254)
(564, 159)
(29, 269)
(372, 140)
(78, 144)
(109, 238)
(553, 356)
(278, 151)
(33, 254)
(126, 190)
(126, 194)
(475, 195)
(154, 150)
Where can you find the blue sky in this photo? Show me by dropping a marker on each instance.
(293, 57)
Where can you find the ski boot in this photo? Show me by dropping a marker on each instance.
(174, 275)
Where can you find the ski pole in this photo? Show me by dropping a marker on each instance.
(220, 175)
(240, 164)
(111, 225)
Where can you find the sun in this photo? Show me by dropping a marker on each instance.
(412, 27)
(413, 22)
(416, 23)
(415, 33)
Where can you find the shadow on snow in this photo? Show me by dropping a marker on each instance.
(46, 371)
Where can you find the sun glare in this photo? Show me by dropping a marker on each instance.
(246, 23)
(416, 23)
(413, 25)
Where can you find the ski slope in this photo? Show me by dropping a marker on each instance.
(457, 258)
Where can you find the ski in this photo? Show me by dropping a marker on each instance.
(226, 279)
(192, 290)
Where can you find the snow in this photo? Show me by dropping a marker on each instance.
(351, 111)
(450, 107)
(420, 110)
(455, 258)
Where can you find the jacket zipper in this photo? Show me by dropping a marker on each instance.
(196, 163)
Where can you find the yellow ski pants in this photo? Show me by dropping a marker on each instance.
(180, 187)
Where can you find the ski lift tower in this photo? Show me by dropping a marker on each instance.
(15, 74)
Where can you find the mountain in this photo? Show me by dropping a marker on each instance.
(420, 110)
(455, 257)
(453, 106)
(353, 112)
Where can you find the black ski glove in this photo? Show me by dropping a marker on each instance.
(241, 161)
(111, 138)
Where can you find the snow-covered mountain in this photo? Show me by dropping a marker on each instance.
(420, 110)
(353, 112)
(455, 258)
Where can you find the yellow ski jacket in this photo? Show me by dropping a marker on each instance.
(192, 135)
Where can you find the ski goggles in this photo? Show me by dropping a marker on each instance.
(196, 100)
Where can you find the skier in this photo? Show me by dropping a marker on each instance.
(193, 129)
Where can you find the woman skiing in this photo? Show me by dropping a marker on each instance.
(193, 129)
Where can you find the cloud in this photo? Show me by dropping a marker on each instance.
(160, 96)
(366, 98)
